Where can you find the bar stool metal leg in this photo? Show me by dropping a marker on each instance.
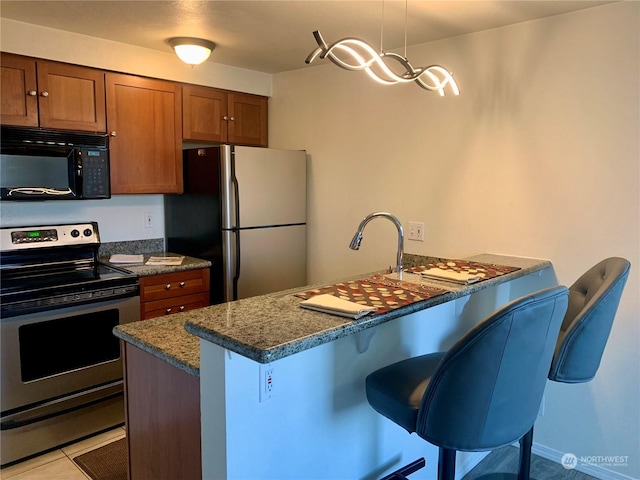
(524, 469)
(446, 464)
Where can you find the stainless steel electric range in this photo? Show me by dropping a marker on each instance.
(61, 365)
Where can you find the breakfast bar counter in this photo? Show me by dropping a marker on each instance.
(273, 326)
(282, 388)
(270, 327)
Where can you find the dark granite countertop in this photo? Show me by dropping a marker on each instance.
(189, 263)
(273, 326)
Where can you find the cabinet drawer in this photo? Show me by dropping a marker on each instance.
(168, 285)
(169, 306)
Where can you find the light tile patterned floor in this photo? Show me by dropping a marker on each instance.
(58, 464)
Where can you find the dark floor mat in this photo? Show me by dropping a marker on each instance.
(105, 463)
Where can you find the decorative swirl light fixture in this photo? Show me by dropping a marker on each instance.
(360, 55)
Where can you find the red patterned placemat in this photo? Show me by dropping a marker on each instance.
(483, 270)
(378, 291)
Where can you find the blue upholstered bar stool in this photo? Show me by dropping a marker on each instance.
(593, 303)
(485, 391)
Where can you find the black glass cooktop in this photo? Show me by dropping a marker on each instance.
(30, 292)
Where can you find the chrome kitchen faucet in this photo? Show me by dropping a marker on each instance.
(357, 238)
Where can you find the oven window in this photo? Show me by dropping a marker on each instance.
(66, 344)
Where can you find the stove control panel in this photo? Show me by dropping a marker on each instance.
(13, 238)
(32, 236)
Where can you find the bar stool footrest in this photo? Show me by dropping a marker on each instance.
(401, 473)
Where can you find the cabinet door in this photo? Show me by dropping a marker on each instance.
(18, 91)
(144, 119)
(71, 97)
(247, 119)
(204, 114)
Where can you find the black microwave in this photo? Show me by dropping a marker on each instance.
(39, 164)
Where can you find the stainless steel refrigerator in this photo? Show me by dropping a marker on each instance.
(244, 209)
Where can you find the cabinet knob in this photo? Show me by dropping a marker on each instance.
(32, 93)
(232, 119)
(112, 133)
(182, 284)
(225, 118)
(44, 94)
(182, 308)
(167, 286)
(168, 311)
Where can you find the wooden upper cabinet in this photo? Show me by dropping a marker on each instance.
(52, 95)
(204, 114)
(247, 119)
(18, 91)
(213, 115)
(144, 121)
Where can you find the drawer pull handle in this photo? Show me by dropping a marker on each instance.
(167, 286)
(168, 311)
(182, 308)
(182, 284)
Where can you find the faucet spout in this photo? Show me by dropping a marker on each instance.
(357, 238)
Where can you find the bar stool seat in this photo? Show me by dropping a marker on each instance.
(485, 391)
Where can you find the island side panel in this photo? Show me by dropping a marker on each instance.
(319, 424)
(162, 418)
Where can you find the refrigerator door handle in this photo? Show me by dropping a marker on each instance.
(236, 273)
(235, 207)
(231, 263)
(235, 202)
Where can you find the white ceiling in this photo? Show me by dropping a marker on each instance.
(275, 36)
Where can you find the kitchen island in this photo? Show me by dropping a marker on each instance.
(282, 388)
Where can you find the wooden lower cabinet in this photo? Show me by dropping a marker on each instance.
(176, 292)
(162, 405)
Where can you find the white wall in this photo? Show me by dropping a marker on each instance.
(539, 157)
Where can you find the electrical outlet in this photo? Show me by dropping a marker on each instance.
(416, 231)
(148, 220)
(267, 384)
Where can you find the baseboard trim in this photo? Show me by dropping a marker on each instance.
(469, 461)
(594, 470)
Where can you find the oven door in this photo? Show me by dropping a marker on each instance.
(53, 353)
(58, 365)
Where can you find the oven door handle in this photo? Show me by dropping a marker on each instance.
(61, 406)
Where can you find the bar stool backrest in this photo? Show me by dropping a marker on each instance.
(486, 391)
(593, 303)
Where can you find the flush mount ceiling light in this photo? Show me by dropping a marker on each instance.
(355, 55)
(192, 51)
